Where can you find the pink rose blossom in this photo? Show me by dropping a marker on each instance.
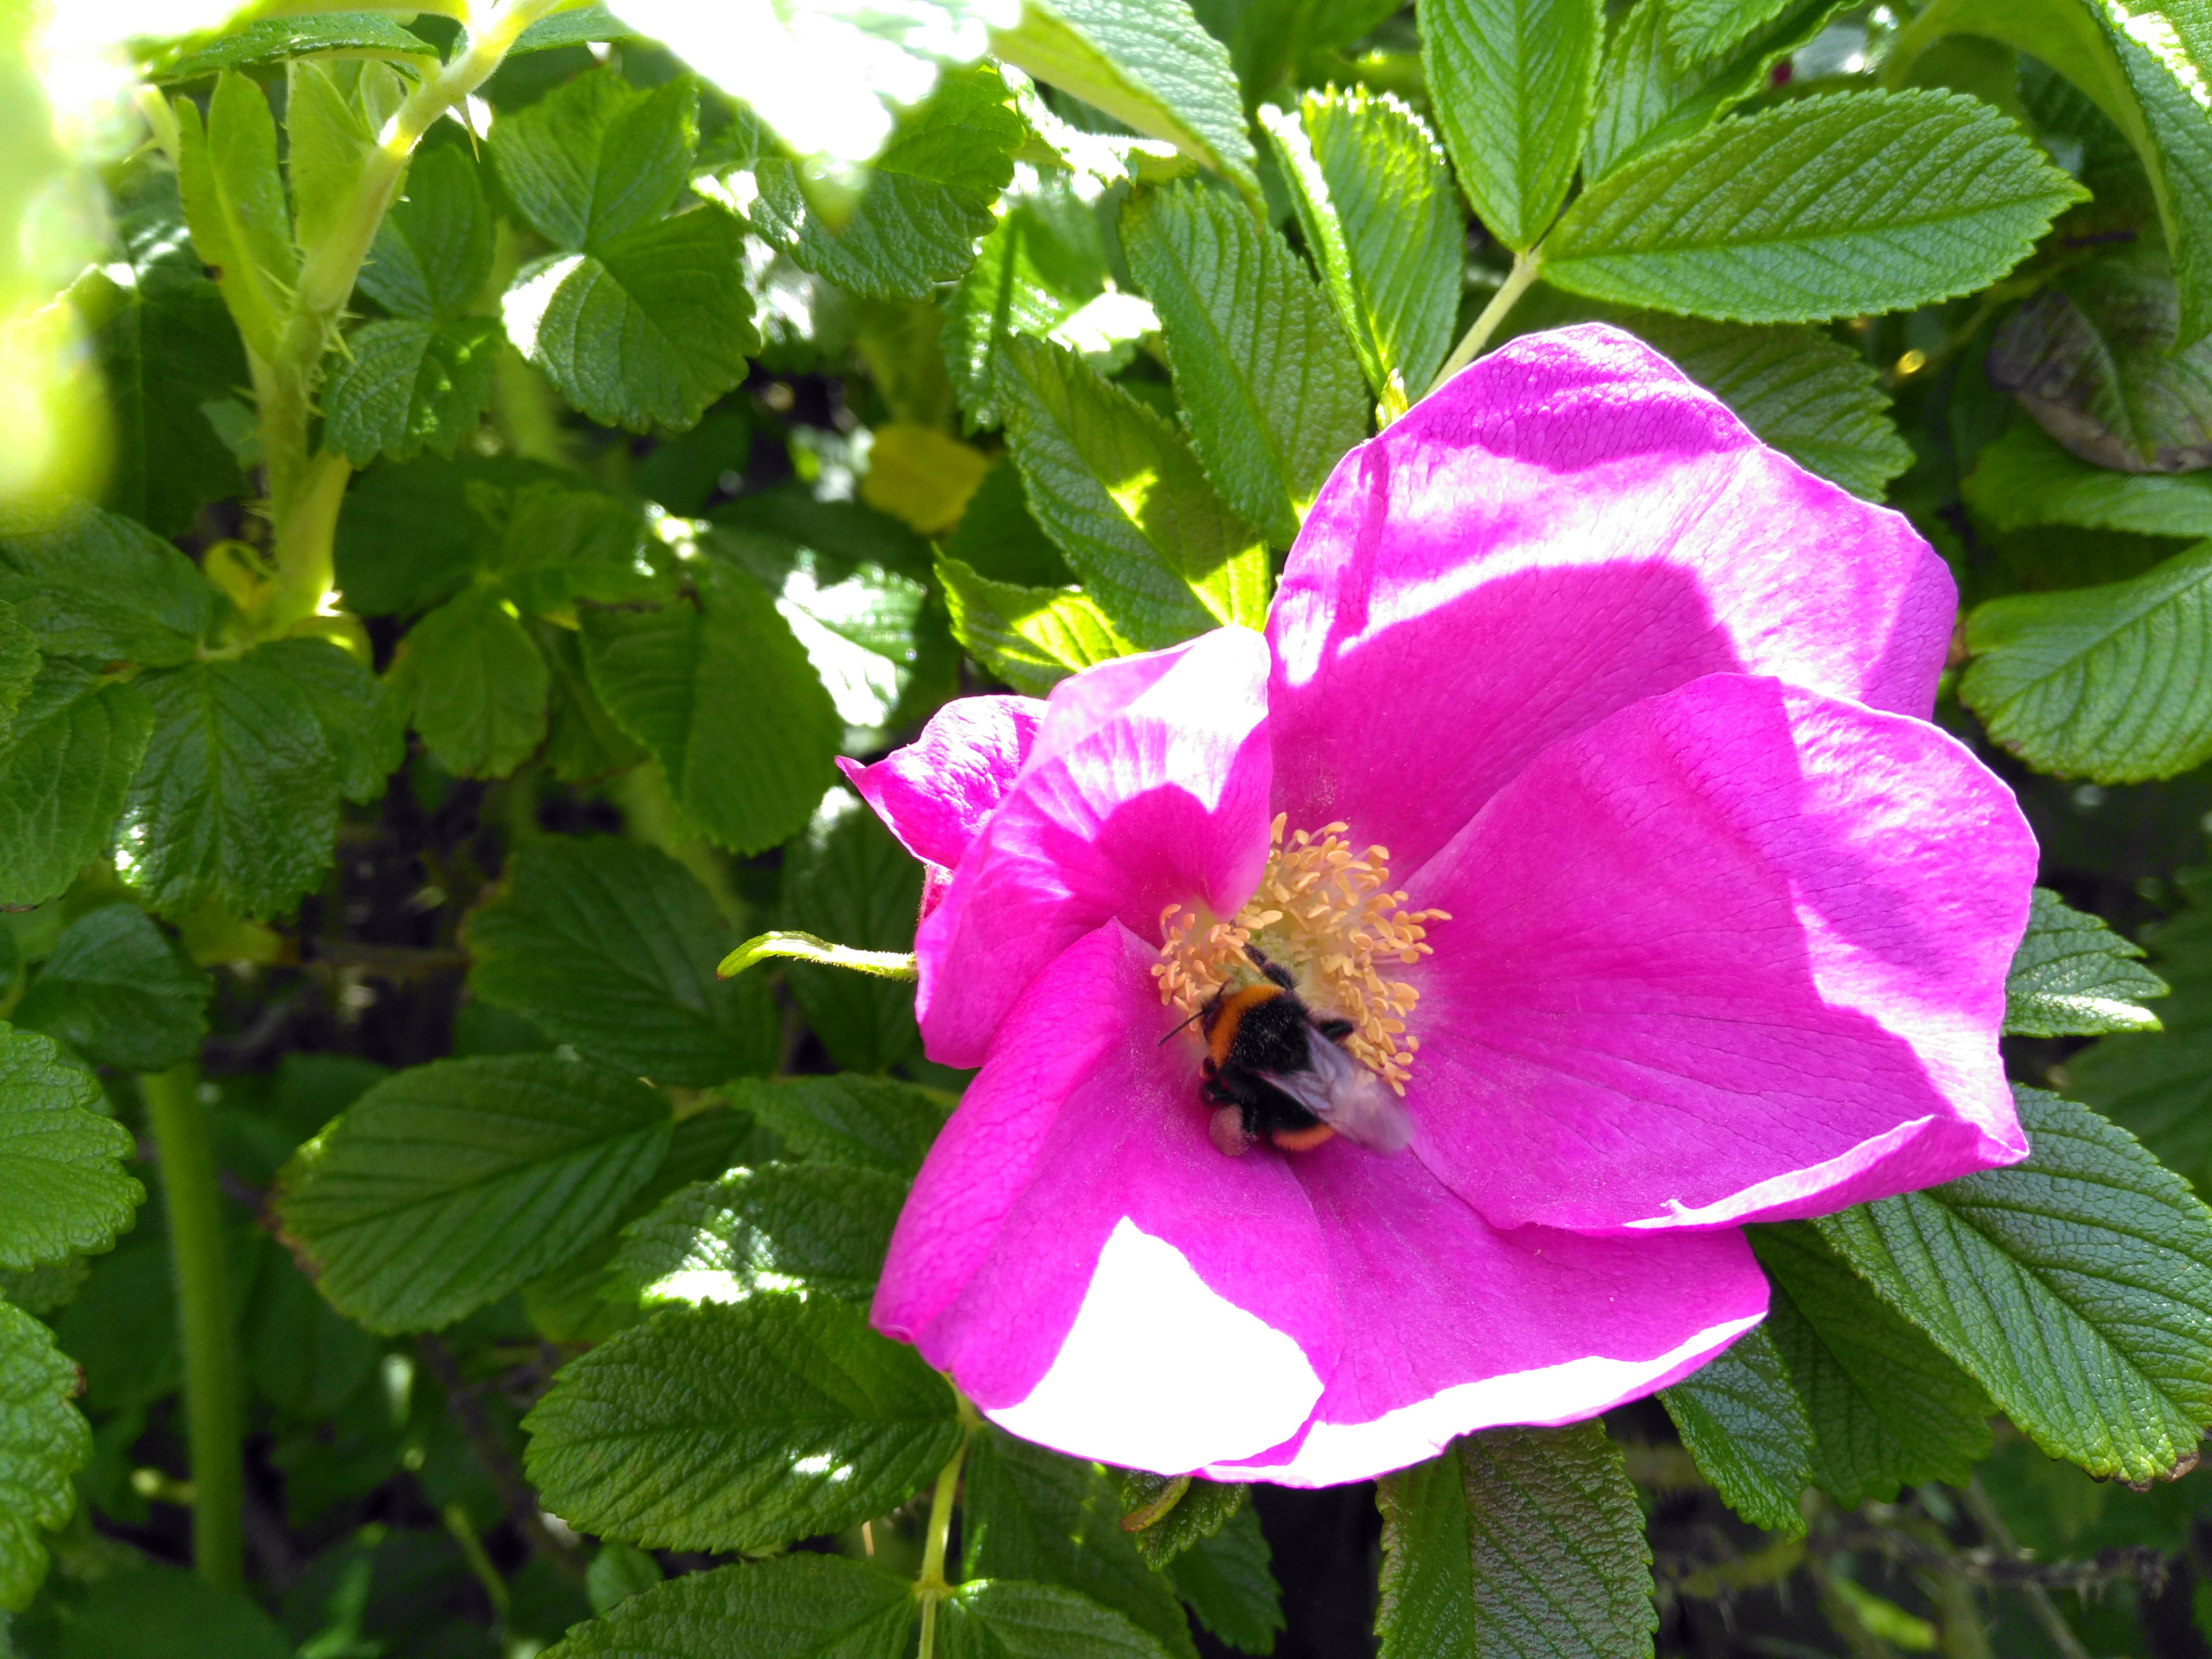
(1584, 769)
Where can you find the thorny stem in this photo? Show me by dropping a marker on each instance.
(2037, 1598)
(186, 1158)
(304, 491)
(1516, 283)
(930, 1587)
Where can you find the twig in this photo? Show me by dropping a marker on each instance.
(462, 1399)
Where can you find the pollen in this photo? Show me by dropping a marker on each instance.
(1330, 915)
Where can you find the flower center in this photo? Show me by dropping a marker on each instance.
(1329, 915)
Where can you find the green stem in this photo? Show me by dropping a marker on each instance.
(186, 1158)
(303, 493)
(931, 1587)
(1516, 283)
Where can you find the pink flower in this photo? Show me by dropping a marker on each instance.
(1629, 857)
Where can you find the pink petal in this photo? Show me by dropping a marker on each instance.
(1736, 953)
(1568, 525)
(1451, 1326)
(1093, 1274)
(1147, 785)
(934, 794)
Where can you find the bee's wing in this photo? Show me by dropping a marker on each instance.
(1347, 1096)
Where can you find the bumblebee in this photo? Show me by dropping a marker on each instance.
(1274, 1068)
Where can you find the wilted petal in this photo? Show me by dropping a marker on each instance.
(1567, 526)
(1146, 785)
(1451, 1326)
(1092, 1273)
(1735, 953)
(934, 794)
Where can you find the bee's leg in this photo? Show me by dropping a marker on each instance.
(1275, 971)
(1334, 1030)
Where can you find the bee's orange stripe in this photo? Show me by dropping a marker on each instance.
(1302, 1141)
(1234, 1007)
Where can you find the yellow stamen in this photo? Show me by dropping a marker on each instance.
(1329, 916)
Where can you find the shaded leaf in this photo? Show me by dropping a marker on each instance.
(433, 252)
(2075, 1286)
(365, 731)
(801, 1606)
(739, 1426)
(1005, 1618)
(2109, 682)
(443, 1188)
(1744, 1425)
(75, 744)
(724, 700)
(237, 803)
(873, 1122)
(819, 1226)
(2157, 1084)
(61, 1184)
(598, 158)
(611, 946)
(475, 684)
(846, 879)
(406, 386)
(117, 992)
(91, 583)
(43, 1442)
(1226, 1581)
(1037, 269)
(2025, 478)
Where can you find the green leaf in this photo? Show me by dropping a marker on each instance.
(2108, 683)
(91, 583)
(234, 203)
(1145, 63)
(410, 536)
(583, 744)
(1039, 267)
(1701, 30)
(274, 39)
(2074, 976)
(366, 733)
(1225, 1579)
(647, 329)
(2154, 111)
(1005, 1618)
(150, 1610)
(1515, 1541)
(167, 347)
(610, 947)
(815, 1227)
(1747, 1428)
(445, 1187)
(1817, 402)
(61, 1184)
(1829, 206)
(847, 879)
(474, 683)
(1198, 1510)
(929, 197)
(43, 1442)
(1374, 203)
(2092, 358)
(1885, 1406)
(433, 252)
(873, 1122)
(116, 991)
(237, 803)
(19, 665)
(1032, 638)
(2153, 1083)
(739, 1427)
(1513, 81)
(1029, 1513)
(551, 545)
(671, 678)
(1267, 384)
(405, 385)
(1115, 485)
(75, 744)
(597, 158)
(2025, 478)
(801, 1606)
(999, 538)
(335, 116)
(2076, 1287)
(1646, 97)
